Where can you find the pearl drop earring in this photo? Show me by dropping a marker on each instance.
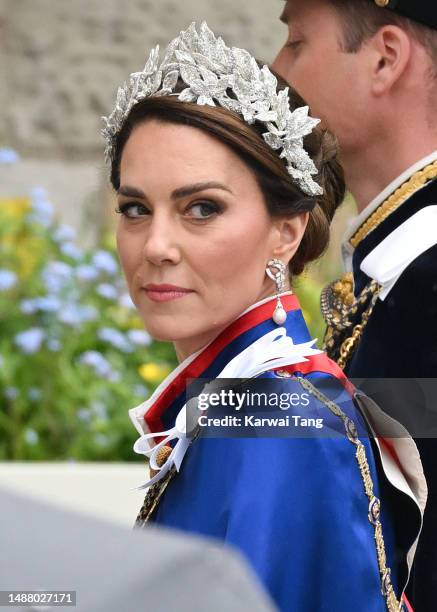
(278, 277)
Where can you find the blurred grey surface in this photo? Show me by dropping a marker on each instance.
(114, 569)
(102, 490)
(65, 59)
(61, 63)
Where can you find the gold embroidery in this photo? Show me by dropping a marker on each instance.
(345, 324)
(337, 298)
(156, 491)
(392, 203)
(387, 590)
(152, 499)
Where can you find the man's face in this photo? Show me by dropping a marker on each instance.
(333, 82)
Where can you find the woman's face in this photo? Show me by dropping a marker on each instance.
(195, 236)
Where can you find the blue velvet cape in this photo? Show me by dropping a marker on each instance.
(295, 508)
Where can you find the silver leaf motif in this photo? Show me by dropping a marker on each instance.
(187, 96)
(170, 80)
(273, 141)
(230, 77)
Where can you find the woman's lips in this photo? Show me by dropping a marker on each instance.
(165, 293)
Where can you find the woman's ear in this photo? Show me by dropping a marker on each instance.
(288, 236)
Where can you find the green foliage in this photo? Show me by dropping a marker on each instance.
(73, 355)
(308, 291)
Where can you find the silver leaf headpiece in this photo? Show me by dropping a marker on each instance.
(212, 71)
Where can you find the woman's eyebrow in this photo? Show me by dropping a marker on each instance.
(181, 192)
(131, 192)
(188, 190)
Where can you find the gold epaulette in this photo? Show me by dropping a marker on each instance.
(346, 316)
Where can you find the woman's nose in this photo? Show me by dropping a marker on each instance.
(161, 243)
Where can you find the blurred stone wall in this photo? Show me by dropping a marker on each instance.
(61, 62)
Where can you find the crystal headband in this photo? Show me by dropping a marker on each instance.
(211, 71)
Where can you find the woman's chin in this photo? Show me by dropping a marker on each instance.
(166, 331)
(183, 334)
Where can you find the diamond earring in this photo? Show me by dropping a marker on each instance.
(276, 270)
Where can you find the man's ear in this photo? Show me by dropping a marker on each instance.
(390, 55)
(288, 236)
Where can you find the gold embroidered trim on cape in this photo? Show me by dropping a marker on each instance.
(374, 513)
(152, 499)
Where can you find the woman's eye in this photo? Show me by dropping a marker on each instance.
(132, 210)
(203, 210)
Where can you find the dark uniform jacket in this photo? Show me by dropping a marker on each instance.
(400, 341)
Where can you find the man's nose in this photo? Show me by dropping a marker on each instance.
(279, 64)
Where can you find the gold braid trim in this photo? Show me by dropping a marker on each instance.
(392, 203)
(156, 491)
(387, 590)
(152, 499)
(350, 345)
(340, 315)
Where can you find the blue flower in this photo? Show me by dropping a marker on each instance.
(84, 415)
(48, 303)
(99, 410)
(105, 262)
(54, 345)
(86, 273)
(139, 337)
(114, 377)
(38, 193)
(30, 340)
(28, 306)
(76, 314)
(34, 394)
(56, 276)
(88, 313)
(69, 249)
(11, 393)
(8, 156)
(31, 436)
(107, 291)
(95, 360)
(7, 279)
(141, 391)
(64, 233)
(115, 338)
(42, 209)
(100, 365)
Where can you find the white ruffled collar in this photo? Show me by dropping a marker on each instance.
(271, 351)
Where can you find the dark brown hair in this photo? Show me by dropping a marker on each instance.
(282, 196)
(361, 19)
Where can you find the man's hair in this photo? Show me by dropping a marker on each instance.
(361, 19)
